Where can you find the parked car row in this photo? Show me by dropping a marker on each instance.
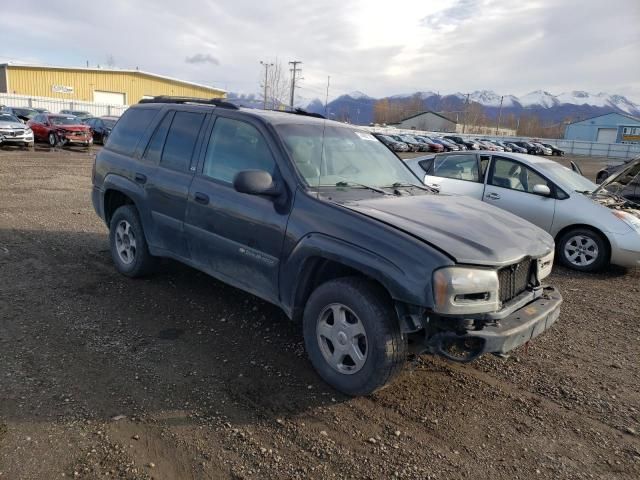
(24, 126)
(592, 226)
(453, 143)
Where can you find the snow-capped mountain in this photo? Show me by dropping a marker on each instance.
(358, 106)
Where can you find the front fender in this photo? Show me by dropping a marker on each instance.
(295, 272)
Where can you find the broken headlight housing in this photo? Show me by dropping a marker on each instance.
(545, 264)
(465, 290)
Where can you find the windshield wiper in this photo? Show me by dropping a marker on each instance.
(412, 185)
(585, 192)
(349, 183)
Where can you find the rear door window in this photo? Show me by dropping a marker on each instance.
(457, 167)
(181, 140)
(129, 129)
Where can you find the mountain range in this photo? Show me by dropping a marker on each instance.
(358, 107)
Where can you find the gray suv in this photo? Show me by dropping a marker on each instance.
(321, 219)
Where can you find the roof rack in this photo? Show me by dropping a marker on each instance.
(218, 102)
(300, 111)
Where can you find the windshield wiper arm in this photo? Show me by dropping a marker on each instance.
(349, 183)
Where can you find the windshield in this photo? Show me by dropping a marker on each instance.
(7, 117)
(109, 123)
(64, 121)
(26, 112)
(349, 156)
(568, 178)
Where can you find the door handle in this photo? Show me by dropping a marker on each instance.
(201, 198)
(493, 196)
(140, 178)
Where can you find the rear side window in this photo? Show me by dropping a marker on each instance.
(181, 140)
(154, 149)
(129, 129)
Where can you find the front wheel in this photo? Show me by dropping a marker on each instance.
(583, 249)
(53, 140)
(352, 335)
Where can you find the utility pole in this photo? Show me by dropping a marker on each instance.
(466, 106)
(326, 99)
(294, 73)
(266, 79)
(499, 116)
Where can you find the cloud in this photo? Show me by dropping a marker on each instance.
(202, 58)
(460, 11)
(366, 45)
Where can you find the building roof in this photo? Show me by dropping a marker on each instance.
(425, 112)
(630, 117)
(116, 70)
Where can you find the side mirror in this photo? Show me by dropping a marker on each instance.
(256, 182)
(542, 190)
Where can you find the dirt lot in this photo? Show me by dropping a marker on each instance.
(178, 376)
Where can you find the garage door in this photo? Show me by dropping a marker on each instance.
(109, 98)
(607, 135)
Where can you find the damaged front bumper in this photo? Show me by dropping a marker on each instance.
(501, 335)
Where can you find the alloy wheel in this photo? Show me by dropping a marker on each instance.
(342, 339)
(125, 242)
(581, 250)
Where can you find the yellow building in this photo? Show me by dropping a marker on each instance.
(99, 85)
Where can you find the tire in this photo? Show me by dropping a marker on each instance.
(53, 140)
(128, 245)
(372, 333)
(583, 249)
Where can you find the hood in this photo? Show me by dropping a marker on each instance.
(14, 125)
(628, 167)
(468, 230)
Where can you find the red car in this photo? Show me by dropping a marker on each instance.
(58, 129)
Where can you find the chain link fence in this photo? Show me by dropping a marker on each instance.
(54, 105)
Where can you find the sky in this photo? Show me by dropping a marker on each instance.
(378, 47)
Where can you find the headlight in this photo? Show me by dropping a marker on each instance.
(460, 290)
(626, 217)
(545, 264)
(28, 131)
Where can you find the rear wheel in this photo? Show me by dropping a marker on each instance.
(583, 249)
(128, 244)
(352, 335)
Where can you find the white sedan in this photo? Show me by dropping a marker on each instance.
(591, 226)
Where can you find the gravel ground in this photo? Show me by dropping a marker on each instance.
(178, 376)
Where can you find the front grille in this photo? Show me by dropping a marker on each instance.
(514, 279)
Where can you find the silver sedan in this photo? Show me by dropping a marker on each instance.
(591, 226)
(13, 131)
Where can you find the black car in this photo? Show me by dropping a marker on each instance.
(100, 127)
(612, 168)
(530, 147)
(393, 144)
(555, 150)
(23, 113)
(322, 220)
(516, 148)
(470, 145)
